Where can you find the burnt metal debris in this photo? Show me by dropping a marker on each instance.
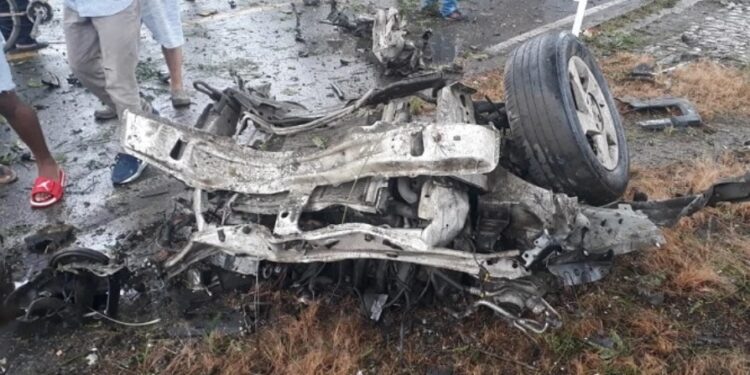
(688, 116)
(391, 45)
(75, 283)
(370, 197)
(402, 207)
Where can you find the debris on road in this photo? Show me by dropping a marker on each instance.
(359, 26)
(50, 238)
(386, 205)
(75, 282)
(390, 46)
(688, 116)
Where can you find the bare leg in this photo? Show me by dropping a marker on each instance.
(24, 121)
(174, 64)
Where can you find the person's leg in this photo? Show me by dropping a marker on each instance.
(24, 121)
(118, 41)
(162, 18)
(84, 54)
(119, 35)
(180, 97)
(173, 56)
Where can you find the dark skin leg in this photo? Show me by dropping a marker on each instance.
(24, 121)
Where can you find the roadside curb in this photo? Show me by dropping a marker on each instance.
(594, 16)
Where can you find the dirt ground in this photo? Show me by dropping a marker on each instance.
(682, 308)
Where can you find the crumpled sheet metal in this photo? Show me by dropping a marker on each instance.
(621, 230)
(340, 242)
(573, 225)
(556, 212)
(212, 163)
(447, 209)
(390, 45)
(668, 212)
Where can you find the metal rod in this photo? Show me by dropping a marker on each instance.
(578, 21)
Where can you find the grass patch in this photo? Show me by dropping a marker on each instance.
(715, 89)
(610, 36)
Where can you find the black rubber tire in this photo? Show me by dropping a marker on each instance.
(549, 147)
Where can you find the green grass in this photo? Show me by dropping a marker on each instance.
(611, 36)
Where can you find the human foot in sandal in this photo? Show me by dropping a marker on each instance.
(49, 187)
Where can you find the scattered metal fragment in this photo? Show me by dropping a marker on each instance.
(337, 91)
(668, 212)
(50, 238)
(75, 281)
(391, 47)
(643, 72)
(375, 304)
(357, 25)
(51, 80)
(580, 267)
(688, 116)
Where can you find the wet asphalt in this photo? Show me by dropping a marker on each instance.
(254, 40)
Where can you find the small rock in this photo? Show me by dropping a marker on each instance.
(207, 12)
(604, 342)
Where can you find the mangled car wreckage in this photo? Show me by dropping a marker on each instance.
(435, 198)
(497, 202)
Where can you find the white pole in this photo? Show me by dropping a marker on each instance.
(580, 12)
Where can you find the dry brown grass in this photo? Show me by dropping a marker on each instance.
(699, 246)
(715, 89)
(489, 84)
(312, 343)
(729, 363)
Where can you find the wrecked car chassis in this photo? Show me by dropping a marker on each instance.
(430, 192)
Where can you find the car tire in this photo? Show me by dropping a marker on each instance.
(566, 132)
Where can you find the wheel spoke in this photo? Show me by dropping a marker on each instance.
(588, 123)
(601, 146)
(579, 92)
(593, 112)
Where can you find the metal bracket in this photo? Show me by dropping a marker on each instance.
(688, 117)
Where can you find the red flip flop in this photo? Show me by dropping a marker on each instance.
(53, 188)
